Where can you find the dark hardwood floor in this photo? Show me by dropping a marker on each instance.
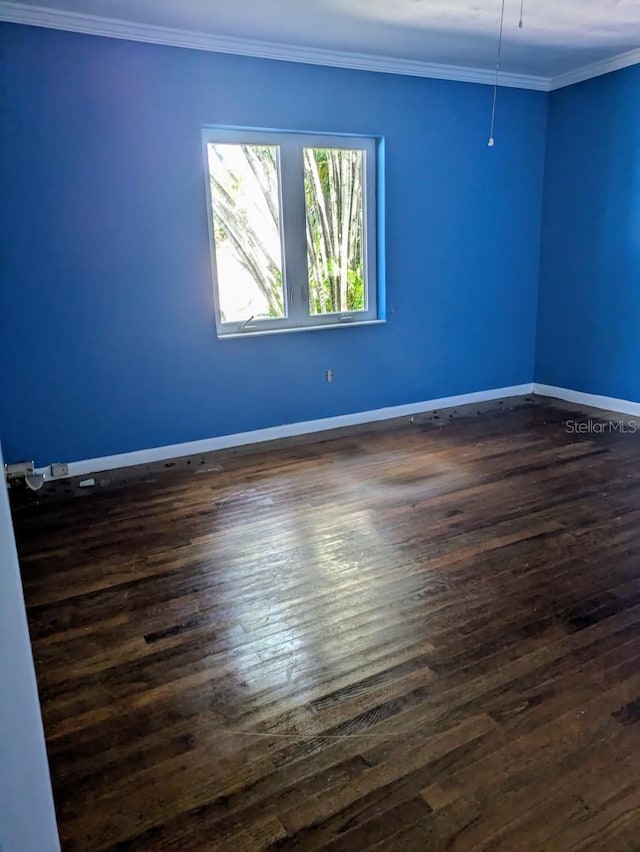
(419, 639)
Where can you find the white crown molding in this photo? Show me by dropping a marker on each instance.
(287, 430)
(38, 16)
(591, 400)
(596, 69)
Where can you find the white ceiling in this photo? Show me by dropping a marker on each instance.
(558, 35)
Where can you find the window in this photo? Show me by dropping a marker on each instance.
(292, 220)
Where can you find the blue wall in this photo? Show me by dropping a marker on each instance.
(107, 335)
(588, 336)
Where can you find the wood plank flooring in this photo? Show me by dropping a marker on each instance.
(420, 639)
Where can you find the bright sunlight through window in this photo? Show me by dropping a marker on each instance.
(292, 221)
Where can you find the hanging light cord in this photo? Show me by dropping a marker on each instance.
(495, 86)
(521, 13)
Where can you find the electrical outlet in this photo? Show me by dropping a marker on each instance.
(59, 469)
(329, 375)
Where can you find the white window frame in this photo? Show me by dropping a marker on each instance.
(293, 230)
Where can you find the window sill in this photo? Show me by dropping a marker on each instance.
(265, 332)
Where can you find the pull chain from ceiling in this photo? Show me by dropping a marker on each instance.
(492, 140)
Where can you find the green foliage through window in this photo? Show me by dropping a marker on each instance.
(293, 224)
(335, 224)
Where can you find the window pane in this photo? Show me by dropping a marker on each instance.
(246, 222)
(333, 180)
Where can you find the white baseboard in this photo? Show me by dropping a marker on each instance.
(608, 403)
(288, 430)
